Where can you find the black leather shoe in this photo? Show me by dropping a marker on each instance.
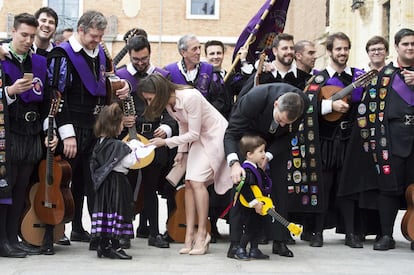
(316, 240)
(256, 253)
(103, 252)
(28, 248)
(119, 254)
(64, 241)
(47, 250)
(232, 251)
(281, 249)
(125, 243)
(384, 243)
(167, 237)
(412, 245)
(241, 254)
(80, 236)
(158, 241)
(7, 250)
(94, 243)
(353, 241)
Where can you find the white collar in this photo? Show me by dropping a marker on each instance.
(77, 47)
(331, 71)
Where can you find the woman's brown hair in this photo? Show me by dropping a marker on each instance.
(162, 88)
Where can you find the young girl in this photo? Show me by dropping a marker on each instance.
(113, 210)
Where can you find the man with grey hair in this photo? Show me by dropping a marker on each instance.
(77, 70)
(191, 71)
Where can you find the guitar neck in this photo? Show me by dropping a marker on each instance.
(49, 153)
(120, 55)
(278, 217)
(344, 92)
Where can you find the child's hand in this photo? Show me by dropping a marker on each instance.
(258, 208)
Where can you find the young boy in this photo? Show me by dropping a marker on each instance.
(253, 148)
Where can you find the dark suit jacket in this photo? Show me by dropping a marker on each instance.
(254, 114)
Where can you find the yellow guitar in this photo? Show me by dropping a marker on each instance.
(269, 209)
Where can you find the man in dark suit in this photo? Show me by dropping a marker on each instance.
(274, 112)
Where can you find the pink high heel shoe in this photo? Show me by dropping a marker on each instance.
(202, 250)
(185, 249)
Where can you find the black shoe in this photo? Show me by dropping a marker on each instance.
(80, 236)
(143, 232)
(94, 243)
(231, 253)
(64, 241)
(316, 240)
(255, 253)
(125, 243)
(28, 248)
(103, 252)
(158, 241)
(353, 241)
(306, 236)
(6, 250)
(412, 245)
(384, 243)
(281, 249)
(167, 237)
(119, 254)
(47, 249)
(241, 254)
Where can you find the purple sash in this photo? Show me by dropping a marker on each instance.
(95, 88)
(403, 90)
(39, 69)
(202, 81)
(266, 190)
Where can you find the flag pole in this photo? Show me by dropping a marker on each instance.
(249, 39)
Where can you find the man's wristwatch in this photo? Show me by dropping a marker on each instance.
(233, 162)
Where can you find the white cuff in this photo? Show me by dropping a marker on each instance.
(232, 156)
(247, 68)
(167, 129)
(253, 203)
(269, 156)
(10, 99)
(66, 131)
(326, 106)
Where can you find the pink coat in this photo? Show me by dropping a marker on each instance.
(198, 120)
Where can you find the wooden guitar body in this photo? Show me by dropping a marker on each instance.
(53, 201)
(327, 92)
(176, 224)
(407, 222)
(32, 229)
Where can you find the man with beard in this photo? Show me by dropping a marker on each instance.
(328, 139)
(48, 21)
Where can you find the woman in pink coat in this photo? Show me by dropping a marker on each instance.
(201, 132)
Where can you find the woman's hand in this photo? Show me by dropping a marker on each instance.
(158, 142)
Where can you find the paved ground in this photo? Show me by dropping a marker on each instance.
(333, 258)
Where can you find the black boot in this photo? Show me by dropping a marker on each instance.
(6, 250)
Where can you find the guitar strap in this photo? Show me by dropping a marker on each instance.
(5, 187)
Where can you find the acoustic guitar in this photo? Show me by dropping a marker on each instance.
(32, 229)
(269, 209)
(113, 82)
(129, 110)
(334, 93)
(176, 224)
(53, 201)
(407, 222)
